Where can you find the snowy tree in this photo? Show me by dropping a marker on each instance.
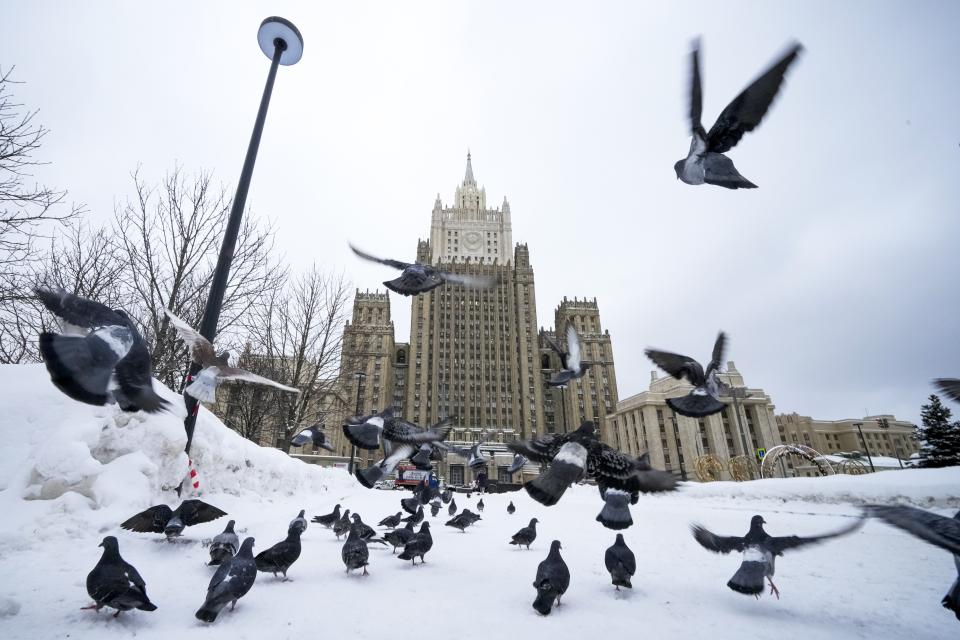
(939, 437)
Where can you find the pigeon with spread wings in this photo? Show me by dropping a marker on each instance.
(571, 359)
(171, 522)
(419, 278)
(315, 435)
(704, 399)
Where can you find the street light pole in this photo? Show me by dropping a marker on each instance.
(353, 448)
(280, 41)
(865, 447)
(737, 393)
(676, 438)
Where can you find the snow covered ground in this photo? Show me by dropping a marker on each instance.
(69, 474)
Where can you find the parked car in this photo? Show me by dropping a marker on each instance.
(388, 485)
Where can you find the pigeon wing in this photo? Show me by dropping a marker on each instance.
(719, 350)
(78, 311)
(200, 348)
(949, 387)
(133, 575)
(197, 511)
(935, 529)
(235, 373)
(540, 450)
(778, 545)
(152, 520)
(396, 264)
(573, 348)
(696, 93)
(135, 382)
(745, 112)
(718, 544)
(676, 365)
(553, 345)
(472, 282)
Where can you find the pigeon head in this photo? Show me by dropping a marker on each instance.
(678, 168)
(224, 358)
(757, 522)
(533, 522)
(302, 511)
(229, 528)
(425, 527)
(246, 549)
(110, 544)
(356, 518)
(620, 539)
(555, 546)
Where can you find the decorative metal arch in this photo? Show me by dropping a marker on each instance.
(708, 468)
(852, 467)
(768, 466)
(743, 468)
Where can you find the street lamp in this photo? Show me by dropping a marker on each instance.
(676, 439)
(353, 448)
(865, 447)
(283, 44)
(739, 393)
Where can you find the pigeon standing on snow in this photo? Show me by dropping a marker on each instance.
(342, 526)
(446, 496)
(570, 359)
(281, 556)
(115, 583)
(621, 563)
(759, 552)
(463, 520)
(950, 387)
(704, 400)
(435, 508)
(480, 505)
(553, 578)
(452, 509)
(418, 545)
(366, 531)
(415, 518)
(355, 553)
(231, 582)
(525, 536)
(163, 519)
(936, 529)
(329, 519)
(314, 435)
(299, 522)
(705, 162)
(216, 369)
(106, 359)
(391, 521)
(224, 545)
(399, 537)
(419, 278)
(511, 508)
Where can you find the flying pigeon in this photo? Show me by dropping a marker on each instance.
(434, 508)
(391, 521)
(950, 387)
(368, 477)
(419, 278)
(355, 552)
(570, 359)
(704, 400)
(115, 583)
(410, 505)
(162, 519)
(368, 432)
(342, 526)
(315, 435)
(299, 522)
(480, 505)
(759, 552)
(517, 464)
(452, 509)
(426, 455)
(621, 563)
(424, 492)
(525, 536)
(224, 545)
(216, 369)
(936, 529)
(706, 161)
(329, 519)
(511, 508)
(281, 556)
(399, 537)
(231, 582)
(553, 578)
(415, 518)
(418, 545)
(107, 362)
(446, 496)
(461, 521)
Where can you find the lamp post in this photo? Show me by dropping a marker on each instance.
(280, 41)
(353, 448)
(865, 447)
(738, 393)
(676, 439)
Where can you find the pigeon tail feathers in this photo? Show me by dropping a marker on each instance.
(204, 386)
(616, 510)
(952, 599)
(749, 578)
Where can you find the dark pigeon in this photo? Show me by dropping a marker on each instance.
(480, 505)
(342, 526)
(704, 399)
(314, 435)
(355, 553)
(368, 477)
(418, 545)
(446, 496)
(163, 519)
(452, 509)
(434, 508)
(950, 387)
(553, 578)
(366, 432)
(471, 516)
(427, 454)
(410, 505)
(425, 493)
(570, 358)
(366, 531)
(415, 518)
(231, 582)
(329, 519)
(932, 528)
(299, 522)
(525, 536)
(759, 552)
(419, 278)
(511, 508)
(399, 537)
(706, 162)
(391, 521)
(115, 583)
(517, 464)
(621, 563)
(281, 556)
(224, 545)
(463, 520)
(108, 363)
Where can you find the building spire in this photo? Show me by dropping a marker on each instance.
(468, 178)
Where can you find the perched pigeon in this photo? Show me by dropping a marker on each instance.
(299, 522)
(399, 537)
(517, 464)
(281, 556)
(415, 518)
(368, 477)
(434, 508)
(452, 509)
(315, 435)
(342, 526)
(759, 552)
(930, 527)
(950, 387)
(705, 162)
(553, 578)
(418, 545)
(231, 582)
(115, 583)
(162, 519)
(329, 519)
(463, 520)
(224, 545)
(511, 508)
(480, 505)
(525, 536)
(471, 516)
(621, 563)
(419, 278)
(216, 369)
(446, 496)
(355, 552)
(391, 521)
(704, 400)
(410, 505)
(573, 366)
(366, 531)
(108, 362)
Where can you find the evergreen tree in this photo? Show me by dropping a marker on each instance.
(939, 438)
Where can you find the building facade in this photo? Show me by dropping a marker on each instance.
(883, 435)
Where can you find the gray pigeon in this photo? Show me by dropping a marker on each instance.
(621, 563)
(517, 464)
(480, 505)
(929, 527)
(415, 518)
(950, 387)
(115, 583)
(224, 545)
(570, 359)
(759, 552)
(472, 454)
(163, 519)
(511, 508)
(342, 526)
(314, 435)
(410, 505)
(329, 519)
(299, 522)
(355, 553)
(368, 477)
(366, 531)
(553, 578)
(391, 521)
(452, 509)
(463, 520)
(706, 162)
(419, 278)
(281, 556)
(704, 400)
(446, 496)
(418, 545)
(399, 537)
(526, 536)
(434, 508)
(107, 362)
(231, 582)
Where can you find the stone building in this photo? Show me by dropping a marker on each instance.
(884, 434)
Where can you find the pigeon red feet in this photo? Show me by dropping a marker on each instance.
(773, 589)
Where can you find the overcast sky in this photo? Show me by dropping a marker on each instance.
(836, 280)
